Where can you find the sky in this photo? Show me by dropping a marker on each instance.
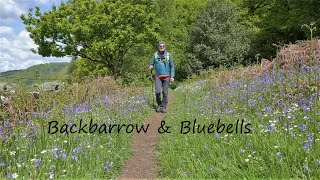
(15, 43)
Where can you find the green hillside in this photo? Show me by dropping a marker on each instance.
(36, 74)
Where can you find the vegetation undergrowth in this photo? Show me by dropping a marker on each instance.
(32, 147)
(238, 123)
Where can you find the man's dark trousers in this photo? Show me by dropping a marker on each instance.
(162, 84)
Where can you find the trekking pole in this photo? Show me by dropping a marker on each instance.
(152, 81)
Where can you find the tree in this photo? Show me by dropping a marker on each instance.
(282, 24)
(175, 20)
(277, 22)
(217, 38)
(82, 68)
(99, 31)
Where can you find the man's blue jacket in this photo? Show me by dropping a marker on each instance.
(164, 65)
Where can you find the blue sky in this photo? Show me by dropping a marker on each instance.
(15, 43)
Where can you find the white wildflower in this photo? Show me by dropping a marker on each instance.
(15, 175)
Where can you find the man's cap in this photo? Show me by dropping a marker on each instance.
(161, 43)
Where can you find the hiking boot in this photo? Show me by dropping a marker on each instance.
(158, 109)
(164, 110)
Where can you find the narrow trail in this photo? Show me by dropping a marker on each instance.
(142, 164)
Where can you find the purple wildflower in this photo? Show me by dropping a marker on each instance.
(3, 164)
(269, 109)
(7, 125)
(313, 95)
(284, 110)
(302, 127)
(75, 150)
(211, 170)
(217, 135)
(302, 102)
(318, 162)
(1, 131)
(52, 168)
(64, 155)
(306, 168)
(270, 128)
(279, 154)
(74, 158)
(185, 174)
(9, 175)
(37, 163)
(107, 166)
(306, 68)
(44, 115)
(251, 102)
(310, 137)
(307, 146)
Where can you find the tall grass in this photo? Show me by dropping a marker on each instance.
(284, 117)
(28, 151)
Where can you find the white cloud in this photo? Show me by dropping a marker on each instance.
(10, 11)
(15, 47)
(7, 32)
(15, 51)
(43, 1)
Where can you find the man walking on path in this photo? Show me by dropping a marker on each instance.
(162, 61)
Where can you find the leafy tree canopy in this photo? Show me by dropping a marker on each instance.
(101, 31)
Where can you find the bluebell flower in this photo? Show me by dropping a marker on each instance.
(310, 137)
(306, 168)
(251, 102)
(52, 168)
(302, 127)
(37, 163)
(3, 164)
(212, 170)
(75, 150)
(9, 175)
(74, 158)
(279, 154)
(218, 135)
(107, 166)
(307, 146)
(270, 128)
(269, 109)
(185, 174)
(63, 155)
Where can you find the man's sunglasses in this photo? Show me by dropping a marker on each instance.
(161, 46)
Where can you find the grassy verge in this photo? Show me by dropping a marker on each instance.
(28, 150)
(281, 109)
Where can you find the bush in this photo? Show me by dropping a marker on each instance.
(216, 39)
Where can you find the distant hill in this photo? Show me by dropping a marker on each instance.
(36, 74)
